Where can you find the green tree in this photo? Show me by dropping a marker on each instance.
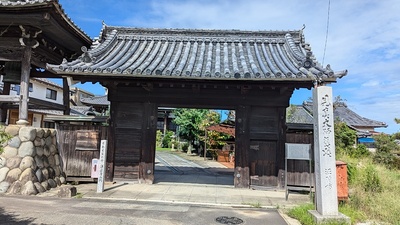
(385, 144)
(345, 140)
(193, 122)
(385, 147)
(397, 120)
(344, 136)
(214, 139)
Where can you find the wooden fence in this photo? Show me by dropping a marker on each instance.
(78, 145)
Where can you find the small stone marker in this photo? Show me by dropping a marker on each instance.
(324, 156)
(67, 191)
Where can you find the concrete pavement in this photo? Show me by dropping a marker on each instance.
(200, 183)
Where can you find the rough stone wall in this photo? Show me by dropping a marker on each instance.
(30, 163)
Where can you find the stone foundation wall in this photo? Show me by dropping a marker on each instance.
(30, 162)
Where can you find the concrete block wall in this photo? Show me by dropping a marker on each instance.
(30, 162)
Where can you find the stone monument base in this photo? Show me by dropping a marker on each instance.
(318, 218)
(22, 122)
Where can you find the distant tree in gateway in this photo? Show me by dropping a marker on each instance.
(193, 122)
(397, 120)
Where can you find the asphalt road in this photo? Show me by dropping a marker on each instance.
(39, 210)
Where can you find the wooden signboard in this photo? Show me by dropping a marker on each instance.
(87, 140)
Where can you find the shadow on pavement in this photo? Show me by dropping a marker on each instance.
(10, 218)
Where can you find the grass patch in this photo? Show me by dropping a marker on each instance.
(304, 217)
(253, 204)
(163, 149)
(373, 194)
(301, 214)
(79, 195)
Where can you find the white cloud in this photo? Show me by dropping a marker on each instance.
(371, 83)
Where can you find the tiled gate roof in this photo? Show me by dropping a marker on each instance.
(204, 54)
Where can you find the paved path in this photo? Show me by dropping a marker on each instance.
(171, 168)
(34, 210)
(176, 164)
(184, 192)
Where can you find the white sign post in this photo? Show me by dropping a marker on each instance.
(324, 156)
(102, 166)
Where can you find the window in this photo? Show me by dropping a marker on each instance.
(51, 94)
(49, 124)
(17, 88)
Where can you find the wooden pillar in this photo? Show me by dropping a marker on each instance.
(111, 142)
(165, 123)
(24, 91)
(242, 172)
(149, 127)
(3, 109)
(280, 151)
(29, 42)
(66, 97)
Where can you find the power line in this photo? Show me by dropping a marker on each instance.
(327, 31)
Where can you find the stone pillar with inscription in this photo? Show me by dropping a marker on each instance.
(324, 156)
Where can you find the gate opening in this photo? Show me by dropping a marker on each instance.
(195, 146)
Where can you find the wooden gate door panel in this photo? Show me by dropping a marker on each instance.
(264, 134)
(262, 163)
(127, 155)
(128, 138)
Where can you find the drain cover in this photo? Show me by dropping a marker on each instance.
(228, 220)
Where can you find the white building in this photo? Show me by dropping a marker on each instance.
(45, 98)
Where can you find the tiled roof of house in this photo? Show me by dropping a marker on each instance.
(74, 112)
(343, 113)
(47, 81)
(298, 114)
(200, 54)
(96, 100)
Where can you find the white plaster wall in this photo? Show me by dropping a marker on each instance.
(39, 92)
(37, 120)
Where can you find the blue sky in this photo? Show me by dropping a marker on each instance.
(364, 37)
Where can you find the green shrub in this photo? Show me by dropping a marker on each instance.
(384, 158)
(351, 173)
(166, 141)
(4, 137)
(396, 162)
(371, 182)
(159, 138)
(386, 143)
(184, 146)
(360, 151)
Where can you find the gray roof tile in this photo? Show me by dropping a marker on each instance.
(35, 3)
(204, 54)
(343, 113)
(96, 100)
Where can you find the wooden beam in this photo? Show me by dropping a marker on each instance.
(10, 98)
(45, 104)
